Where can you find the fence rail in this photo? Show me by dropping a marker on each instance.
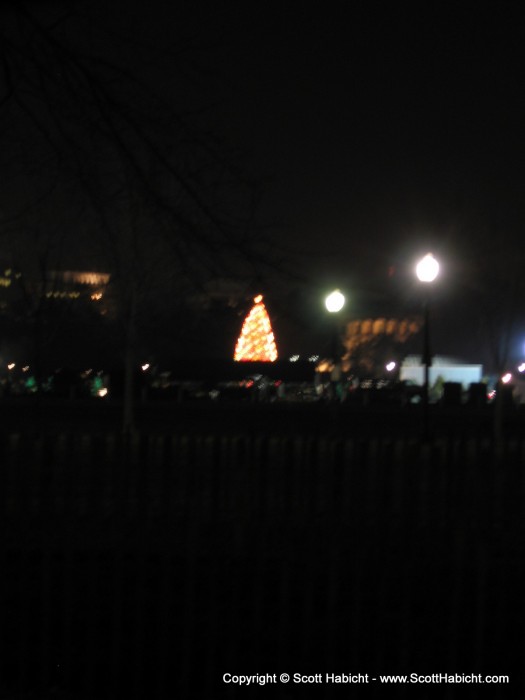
(151, 566)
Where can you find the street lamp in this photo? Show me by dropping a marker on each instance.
(427, 270)
(334, 302)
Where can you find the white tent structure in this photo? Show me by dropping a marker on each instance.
(449, 369)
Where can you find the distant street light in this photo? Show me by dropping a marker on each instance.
(335, 301)
(427, 270)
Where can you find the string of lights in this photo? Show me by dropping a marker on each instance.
(256, 342)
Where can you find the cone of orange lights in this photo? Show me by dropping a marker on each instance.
(256, 342)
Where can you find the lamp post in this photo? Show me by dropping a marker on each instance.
(334, 302)
(427, 270)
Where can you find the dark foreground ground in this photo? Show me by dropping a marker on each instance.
(248, 542)
(246, 417)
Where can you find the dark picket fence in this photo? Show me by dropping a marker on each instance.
(150, 567)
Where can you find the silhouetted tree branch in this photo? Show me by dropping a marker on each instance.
(164, 206)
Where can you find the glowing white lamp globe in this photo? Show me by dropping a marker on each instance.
(427, 268)
(335, 301)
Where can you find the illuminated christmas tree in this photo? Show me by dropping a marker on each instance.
(256, 342)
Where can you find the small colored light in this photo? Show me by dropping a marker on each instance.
(506, 378)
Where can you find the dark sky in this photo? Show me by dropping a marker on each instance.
(386, 133)
(380, 133)
(380, 130)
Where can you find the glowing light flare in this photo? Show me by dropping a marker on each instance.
(145, 367)
(521, 368)
(256, 342)
(97, 296)
(335, 301)
(390, 366)
(11, 365)
(427, 268)
(506, 378)
(102, 392)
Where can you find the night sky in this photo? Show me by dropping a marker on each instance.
(377, 134)
(386, 133)
(379, 129)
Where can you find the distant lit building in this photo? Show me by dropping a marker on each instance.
(65, 285)
(72, 284)
(369, 342)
